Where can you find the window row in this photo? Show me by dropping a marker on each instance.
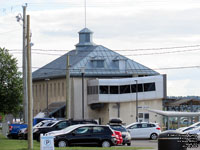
(121, 89)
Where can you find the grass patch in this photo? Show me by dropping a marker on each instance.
(14, 144)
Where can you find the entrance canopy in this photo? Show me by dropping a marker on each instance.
(175, 113)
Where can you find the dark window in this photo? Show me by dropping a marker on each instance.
(134, 86)
(118, 128)
(140, 115)
(144, 125)
(98, 129)
(61, 125)
(100, 64)
(149, 87)
(146, 116)
(114, 90)
(103, 89)
(151, 125)
(135, 126)
(124, 89)
(87, 37)
(83, 130)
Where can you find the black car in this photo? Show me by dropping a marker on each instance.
(58, 126)
(84, 135)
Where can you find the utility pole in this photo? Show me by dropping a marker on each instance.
(25, 97)
(30, 100)
(82, 74)
(136, 100)
(67, 87)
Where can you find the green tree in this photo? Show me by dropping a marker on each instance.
(10, 84)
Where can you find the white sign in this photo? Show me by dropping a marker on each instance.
(46, 143)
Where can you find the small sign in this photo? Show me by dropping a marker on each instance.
(46, 142)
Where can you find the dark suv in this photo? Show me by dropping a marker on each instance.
(58, 126)
(82, 135)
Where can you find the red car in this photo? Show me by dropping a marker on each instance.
(118, 137)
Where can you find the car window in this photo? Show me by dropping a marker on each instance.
(151, 125)
(61, 125)
(135, 126)
(98, 130)
(190, 128)
(82, 130)
(144, 125)
(118, 128)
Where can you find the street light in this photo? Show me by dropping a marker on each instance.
(136, 100)
(47, 94)
(82, 74)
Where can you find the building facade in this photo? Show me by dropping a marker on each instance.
(103, 84)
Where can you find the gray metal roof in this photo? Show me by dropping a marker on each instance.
(86, 57)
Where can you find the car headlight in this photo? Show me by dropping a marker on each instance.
(35, 130)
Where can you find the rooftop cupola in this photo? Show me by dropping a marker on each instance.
(85, 38)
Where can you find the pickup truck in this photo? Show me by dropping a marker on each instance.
(14, 128)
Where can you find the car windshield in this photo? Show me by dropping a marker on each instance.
(70, 128)
(189, 128)
(118, 128)
(195, 124)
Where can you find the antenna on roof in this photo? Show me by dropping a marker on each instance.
(85, 13)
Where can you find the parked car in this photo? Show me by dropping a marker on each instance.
(59, 125)
(197, 124)
(14, 128)
(82, 135)
(125, 134)
(119, 138)
(144, 130)
(194, 130)
(23, 133)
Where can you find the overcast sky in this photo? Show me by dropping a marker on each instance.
(133, 27)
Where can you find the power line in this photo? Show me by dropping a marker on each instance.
(143, 54)
(141, 49)
(99, 69)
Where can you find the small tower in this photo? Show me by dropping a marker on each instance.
(85, 38)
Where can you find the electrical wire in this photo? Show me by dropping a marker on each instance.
(143, 54)
(118, 70)
(141, 49)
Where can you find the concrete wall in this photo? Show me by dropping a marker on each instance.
(56, 93)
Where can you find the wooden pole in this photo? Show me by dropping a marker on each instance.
(67, 87)
(30, 100)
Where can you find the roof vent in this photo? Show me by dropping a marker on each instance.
(85, 38)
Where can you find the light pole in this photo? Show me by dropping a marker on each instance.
(136, 100)
(47, 96)
(82, 74)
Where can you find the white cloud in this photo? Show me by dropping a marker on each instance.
(117, 25)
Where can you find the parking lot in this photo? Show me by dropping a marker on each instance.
(150, 143)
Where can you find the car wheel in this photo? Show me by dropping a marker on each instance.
(105, 144)
(153, 136)
(128, 144)
(62, 143)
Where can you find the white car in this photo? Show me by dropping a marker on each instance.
(144, 130)
(195, 130)
(197, 124)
